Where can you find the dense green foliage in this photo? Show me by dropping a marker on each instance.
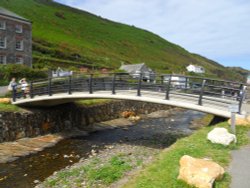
(67, 37)
(164, 171)
(19, 71)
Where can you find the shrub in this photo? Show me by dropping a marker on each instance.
(20, 71)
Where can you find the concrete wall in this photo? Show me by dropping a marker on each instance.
(15, 125)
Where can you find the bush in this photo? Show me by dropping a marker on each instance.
(19, 71)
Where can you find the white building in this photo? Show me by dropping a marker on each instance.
(248, 79)
(61, 73)
(195, 69)
(177, 81)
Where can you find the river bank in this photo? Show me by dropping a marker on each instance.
(129, 152)
(139, 142)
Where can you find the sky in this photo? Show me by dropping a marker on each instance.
(216, 29)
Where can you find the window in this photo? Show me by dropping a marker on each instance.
(19, 45)
(19, 28)
(2, 25)
(2, 59)
(19, 60)
(2, 42)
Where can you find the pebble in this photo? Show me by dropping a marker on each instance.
(36, 181)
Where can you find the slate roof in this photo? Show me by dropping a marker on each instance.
(132, 68)
(8, 13)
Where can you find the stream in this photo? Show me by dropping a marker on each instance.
(160, 132)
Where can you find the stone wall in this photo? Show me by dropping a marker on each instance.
(34, 122)
(12, 36)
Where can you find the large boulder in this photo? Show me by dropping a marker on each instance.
(221, 136)
(200, 173)
(5, 100)
(241, 121)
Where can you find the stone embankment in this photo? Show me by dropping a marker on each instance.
(36, 122)
(25, 129)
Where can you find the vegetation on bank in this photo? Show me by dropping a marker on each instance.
(71, 38)
(92, 102)
(9, 108)
(19, 71)
(164, 171)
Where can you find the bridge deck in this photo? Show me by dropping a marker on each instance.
(215, 106)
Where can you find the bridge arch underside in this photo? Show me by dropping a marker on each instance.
(215, 106)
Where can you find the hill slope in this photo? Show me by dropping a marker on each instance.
(67, 37)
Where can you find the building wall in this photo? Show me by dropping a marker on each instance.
(248, 79)
(26, 36)
(195, 69)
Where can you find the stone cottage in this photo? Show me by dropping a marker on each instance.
(15, 39)
(136, 69)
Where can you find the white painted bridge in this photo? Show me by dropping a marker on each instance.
(200, 94)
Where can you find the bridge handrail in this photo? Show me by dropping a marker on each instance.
(205, 78)
(111, 81)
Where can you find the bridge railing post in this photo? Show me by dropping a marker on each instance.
(186, 84)
(202, 91)
(49, 87)
(139, 85)
(168, 88)
(91, 83)
(242, 96)
(70, 86)
(14, 93)
(31, 90)
(113, 84)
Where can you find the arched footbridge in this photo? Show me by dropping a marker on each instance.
(196, 93)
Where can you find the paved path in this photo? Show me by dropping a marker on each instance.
(3, 90)
(239, 168)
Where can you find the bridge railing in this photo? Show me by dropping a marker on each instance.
(195, 88)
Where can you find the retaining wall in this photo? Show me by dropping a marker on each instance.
(35, 122)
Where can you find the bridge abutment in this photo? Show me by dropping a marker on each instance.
(35, 122)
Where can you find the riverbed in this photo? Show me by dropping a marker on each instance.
(155, 132)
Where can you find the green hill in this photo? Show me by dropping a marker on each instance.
(68, 37)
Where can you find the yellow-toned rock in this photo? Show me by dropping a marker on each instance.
(127, 114)
(5, 100)
(200, 173)
(241, 121)
(134, 118)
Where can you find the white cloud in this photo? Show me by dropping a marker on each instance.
(218, 29)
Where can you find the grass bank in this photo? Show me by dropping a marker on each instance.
(9, 108)
(164, 171)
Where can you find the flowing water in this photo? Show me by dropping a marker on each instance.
(151, 132)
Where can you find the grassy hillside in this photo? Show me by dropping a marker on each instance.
(67, 37)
